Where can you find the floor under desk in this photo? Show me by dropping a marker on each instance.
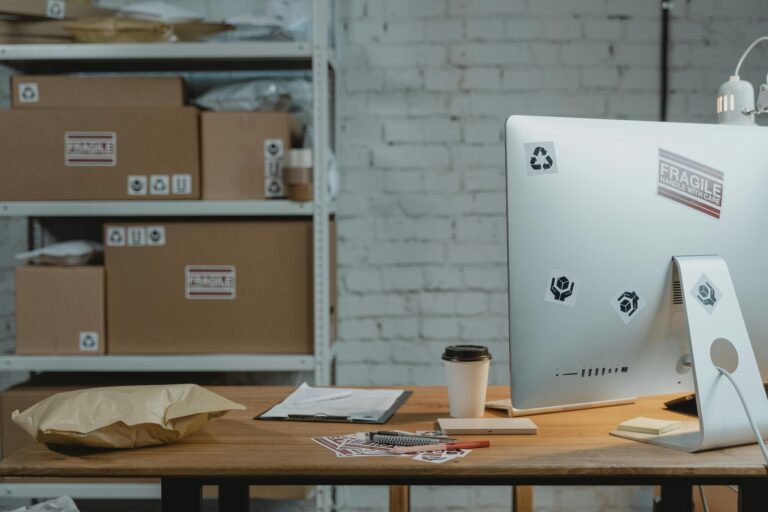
(572, 448)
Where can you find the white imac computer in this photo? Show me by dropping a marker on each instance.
(638, 265)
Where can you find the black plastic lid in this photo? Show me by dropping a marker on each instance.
(466, 353)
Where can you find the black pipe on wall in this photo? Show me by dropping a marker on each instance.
(666, 7)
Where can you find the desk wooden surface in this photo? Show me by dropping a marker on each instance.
(570, 446)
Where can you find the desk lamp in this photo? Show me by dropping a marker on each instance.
(736, 97)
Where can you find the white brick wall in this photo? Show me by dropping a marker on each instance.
(424, 90)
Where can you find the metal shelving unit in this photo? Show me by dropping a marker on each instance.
(316, 56)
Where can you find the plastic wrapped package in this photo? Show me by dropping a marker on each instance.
(71, 253)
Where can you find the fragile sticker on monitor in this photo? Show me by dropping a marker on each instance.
(690, 183)
(627, 302)
(706, 293)
(210, 282)
(562, 287)
(90, 149)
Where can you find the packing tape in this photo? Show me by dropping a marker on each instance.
(300, 192)
(299, 158)
(297, 175)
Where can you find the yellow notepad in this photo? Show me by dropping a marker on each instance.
(649, 425)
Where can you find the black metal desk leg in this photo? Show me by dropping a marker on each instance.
(234, 497)
(753, 496)
(676, 498)
(181, 494)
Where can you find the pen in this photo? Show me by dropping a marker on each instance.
(343, 394)
(437, 447)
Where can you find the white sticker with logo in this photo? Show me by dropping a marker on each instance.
(89, 341)
(56, 9)
(273, 148)
(210, 282)
(137, 236)
(90, 149)
(706, 293)
(155, 236)
(540, 158)
(181, 184)
(628, 302)
(29, 92)
(690, 183)
(159, 185)
(273, 188)
(562, 287)
(137, 185)
(116, 236)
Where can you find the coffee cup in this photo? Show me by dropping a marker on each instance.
(466, 370)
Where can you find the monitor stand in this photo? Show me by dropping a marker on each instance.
(717, 337)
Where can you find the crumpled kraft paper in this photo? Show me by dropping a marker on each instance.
(124, 416)
(119, 30)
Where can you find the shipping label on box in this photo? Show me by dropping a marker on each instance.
(93, 149)
(210, 282)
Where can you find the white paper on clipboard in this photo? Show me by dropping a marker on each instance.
(355, 404)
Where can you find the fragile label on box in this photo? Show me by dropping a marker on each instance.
(95, 149)
(210, 282)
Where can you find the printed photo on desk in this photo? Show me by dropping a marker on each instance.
(341, 405)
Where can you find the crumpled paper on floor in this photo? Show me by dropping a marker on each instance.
(124, 416)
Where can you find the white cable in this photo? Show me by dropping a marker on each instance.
(746, 52)
(704, 503)
(752, 424)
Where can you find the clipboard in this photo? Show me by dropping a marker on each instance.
(379, 418)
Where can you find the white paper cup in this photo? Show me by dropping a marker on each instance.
(466, 371)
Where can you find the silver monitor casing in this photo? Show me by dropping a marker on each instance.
(596, 213)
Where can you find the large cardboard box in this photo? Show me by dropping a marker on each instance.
(210, 287)
(55, 91)
(242, 153)
(60, 310)
(99, 154)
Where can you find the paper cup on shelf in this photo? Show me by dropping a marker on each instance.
(466, 370)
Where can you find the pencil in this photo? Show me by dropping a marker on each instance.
(438, 447)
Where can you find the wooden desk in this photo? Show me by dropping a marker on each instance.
(572, 448)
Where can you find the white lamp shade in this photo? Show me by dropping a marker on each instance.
(735, 97)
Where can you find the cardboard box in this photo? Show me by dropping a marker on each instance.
(44, 91)
(60, 310)
(210, 287)
(242, 153)
(56, 9)
(99, 154)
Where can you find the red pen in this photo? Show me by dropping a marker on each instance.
(443, 446)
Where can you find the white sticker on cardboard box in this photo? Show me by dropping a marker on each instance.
(116, 236)
(137, 236)
(181, 184)
(29, 92)
(273, 168)
(56, 9)
(159, 185)
(273, 148)
(210, 282)
(137, 185)
(90, 149)
(273, 188)
(156, 235)
(89, 341)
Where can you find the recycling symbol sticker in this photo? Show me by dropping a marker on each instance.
(540, 158)
(29, 92)
(116, 236)
(706, 293)
(89, 341)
